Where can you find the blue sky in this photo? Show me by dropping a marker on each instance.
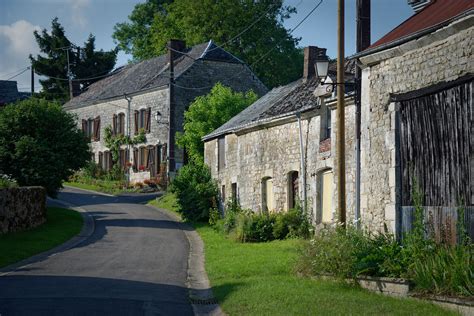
(18, 19)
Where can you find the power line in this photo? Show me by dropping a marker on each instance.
(76, 79)
(18, 74)
(14, 72)
(261, 57)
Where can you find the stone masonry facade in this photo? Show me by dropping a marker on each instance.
(444, 55)
(197, 80)
(273, 150)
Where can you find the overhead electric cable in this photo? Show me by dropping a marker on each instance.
(18, 74)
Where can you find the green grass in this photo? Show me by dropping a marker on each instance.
(61, 225)
(110, 187)
(258, 279)
(166, 201)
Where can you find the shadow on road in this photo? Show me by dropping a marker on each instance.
(73, 295)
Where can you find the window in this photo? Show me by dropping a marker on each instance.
(221, 153)
(293, 189)
(325, 123)
(118, 124)
(91, 128)
(223, 195)
(143, 120)
(143, 157)
(101, 160)
(325, 190)
(234, 192)
(267, 194)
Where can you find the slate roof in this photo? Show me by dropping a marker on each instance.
(280, 102)
(434, 16)
(9, 92)
(147, 74)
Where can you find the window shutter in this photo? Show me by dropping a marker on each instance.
(136, 121)
(101, 160)
(84, 126)
(135, 159)
(122, 123)
(164, 154)
(97, 128)
(147, 120)
(114, 124)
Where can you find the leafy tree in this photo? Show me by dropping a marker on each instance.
(40, 144)
(267, 46)
(84, 62)
(135, 37)
(209, 112)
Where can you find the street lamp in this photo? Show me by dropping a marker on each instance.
(321, 67)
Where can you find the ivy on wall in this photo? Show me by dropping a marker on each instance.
(113, 142)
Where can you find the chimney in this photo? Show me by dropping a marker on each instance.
(175, 46)
(310, 55)
(76, 88)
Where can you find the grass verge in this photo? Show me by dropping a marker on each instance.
(258, 279)
(61, 225)
(110, 187)
(166, 201)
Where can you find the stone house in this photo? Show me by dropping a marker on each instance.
(417, 117)
(159, 92)
(257, 157)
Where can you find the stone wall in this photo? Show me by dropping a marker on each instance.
(22, 208)
(442, 56)
(274, 151)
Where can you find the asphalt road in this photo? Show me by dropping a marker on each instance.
(135, 263)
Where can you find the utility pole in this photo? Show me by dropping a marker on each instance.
(69, 73)
(171, 127)
(129, 101)
(32, 80)
(363, 41)
(340, 140)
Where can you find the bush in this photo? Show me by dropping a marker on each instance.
(252, 227)
(448, 270)
(291, 224)
(40, 144)
(195, 191)
(7, 182)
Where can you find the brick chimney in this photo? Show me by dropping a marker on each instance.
(310, 55)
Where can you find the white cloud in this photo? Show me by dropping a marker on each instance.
(20, 36)
(78, 12)
(17, 42)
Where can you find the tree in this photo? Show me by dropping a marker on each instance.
(267, 46)
(40, 144)
(209, 112)
(135, 37)
(84, 62)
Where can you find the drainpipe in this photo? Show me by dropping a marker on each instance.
(303, 165)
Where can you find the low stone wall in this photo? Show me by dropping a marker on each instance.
(22, 208)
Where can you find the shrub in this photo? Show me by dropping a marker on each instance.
(253, 227)
(195, 191)
(7, 182)
(291, 224)
(40, 144)
(448, 270)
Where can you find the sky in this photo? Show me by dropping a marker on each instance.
(19, 18)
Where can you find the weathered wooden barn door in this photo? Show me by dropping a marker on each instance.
(436, 150)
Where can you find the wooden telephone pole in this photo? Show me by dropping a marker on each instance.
(340, 139)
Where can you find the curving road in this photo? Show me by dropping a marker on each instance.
(135, 263)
